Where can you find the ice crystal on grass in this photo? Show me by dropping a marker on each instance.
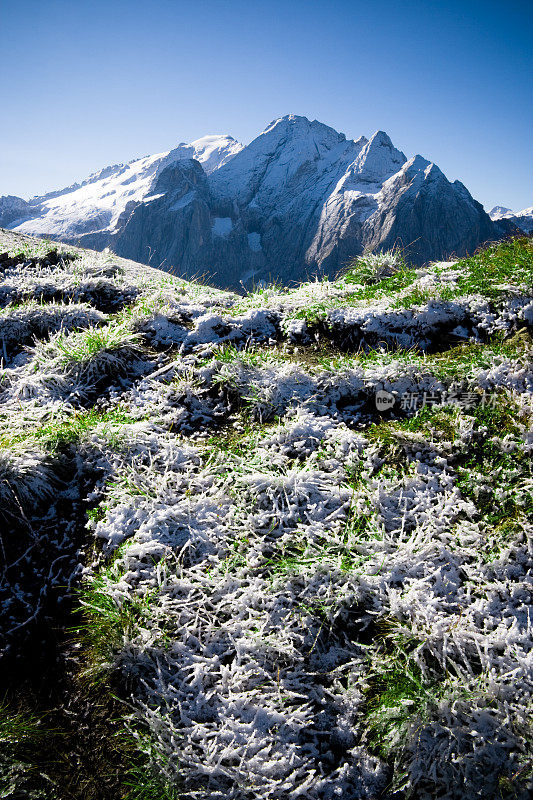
(374, 267)
(26, 480)
(18, 326)
(299, 593)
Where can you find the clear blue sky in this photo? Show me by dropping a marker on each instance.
(86, 84)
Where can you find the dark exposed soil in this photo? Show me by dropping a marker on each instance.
(79, 753)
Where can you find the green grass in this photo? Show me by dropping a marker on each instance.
(251, 357)
(342, 551)
(82, 346)
(18, 727)
(456, 363)
(372, 276)
(434, 423)
(402, 699)
(258, 296)
(240, 443)
(24, 741)
(398, 698)
(143, 779)
(494, 475)
(488, 271)
(28, 747)
(461, 361)
(370, 268)
(317, 312)
(56, 435)
(388, 286)
(421, 297)
(437, 423)
(107, 626)
(38, 248)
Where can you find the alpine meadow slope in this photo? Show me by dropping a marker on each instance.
(276, 546)
(300, 199)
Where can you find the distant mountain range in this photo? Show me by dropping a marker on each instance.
(522, 219)
(301, 198)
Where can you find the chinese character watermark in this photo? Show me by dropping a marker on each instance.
(415, 401)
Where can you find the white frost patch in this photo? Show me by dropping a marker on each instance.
(266, 564)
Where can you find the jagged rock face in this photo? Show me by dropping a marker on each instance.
(172, 225)
(276, 189)
(300, 199)
(421, 211)
(96, 205)
(177, 226)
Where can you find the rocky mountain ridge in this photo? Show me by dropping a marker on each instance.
(300, 199)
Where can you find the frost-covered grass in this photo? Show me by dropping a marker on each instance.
(296, 594)
(493, 273)
(26, 247)
(27, 479)
(58, 434)
(108, 625)
(85, 345)
(372, 268)
(17, 727)
(20, 732)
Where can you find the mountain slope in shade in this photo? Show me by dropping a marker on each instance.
(300, 198)
(419, 208)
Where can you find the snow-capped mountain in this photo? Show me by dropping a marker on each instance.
(300, 198)
(522, 219)
(499, 212)
(97, 204)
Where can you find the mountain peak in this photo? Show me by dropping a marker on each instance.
(294, 126)
(299, 196)
(286, 121)
(498, 212)
(522, 219)
(381, 139)
(290, 148)
(214, 150)
(418, 163)
(378, 159)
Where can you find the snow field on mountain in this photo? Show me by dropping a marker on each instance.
(298, 596)
(100, 200)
